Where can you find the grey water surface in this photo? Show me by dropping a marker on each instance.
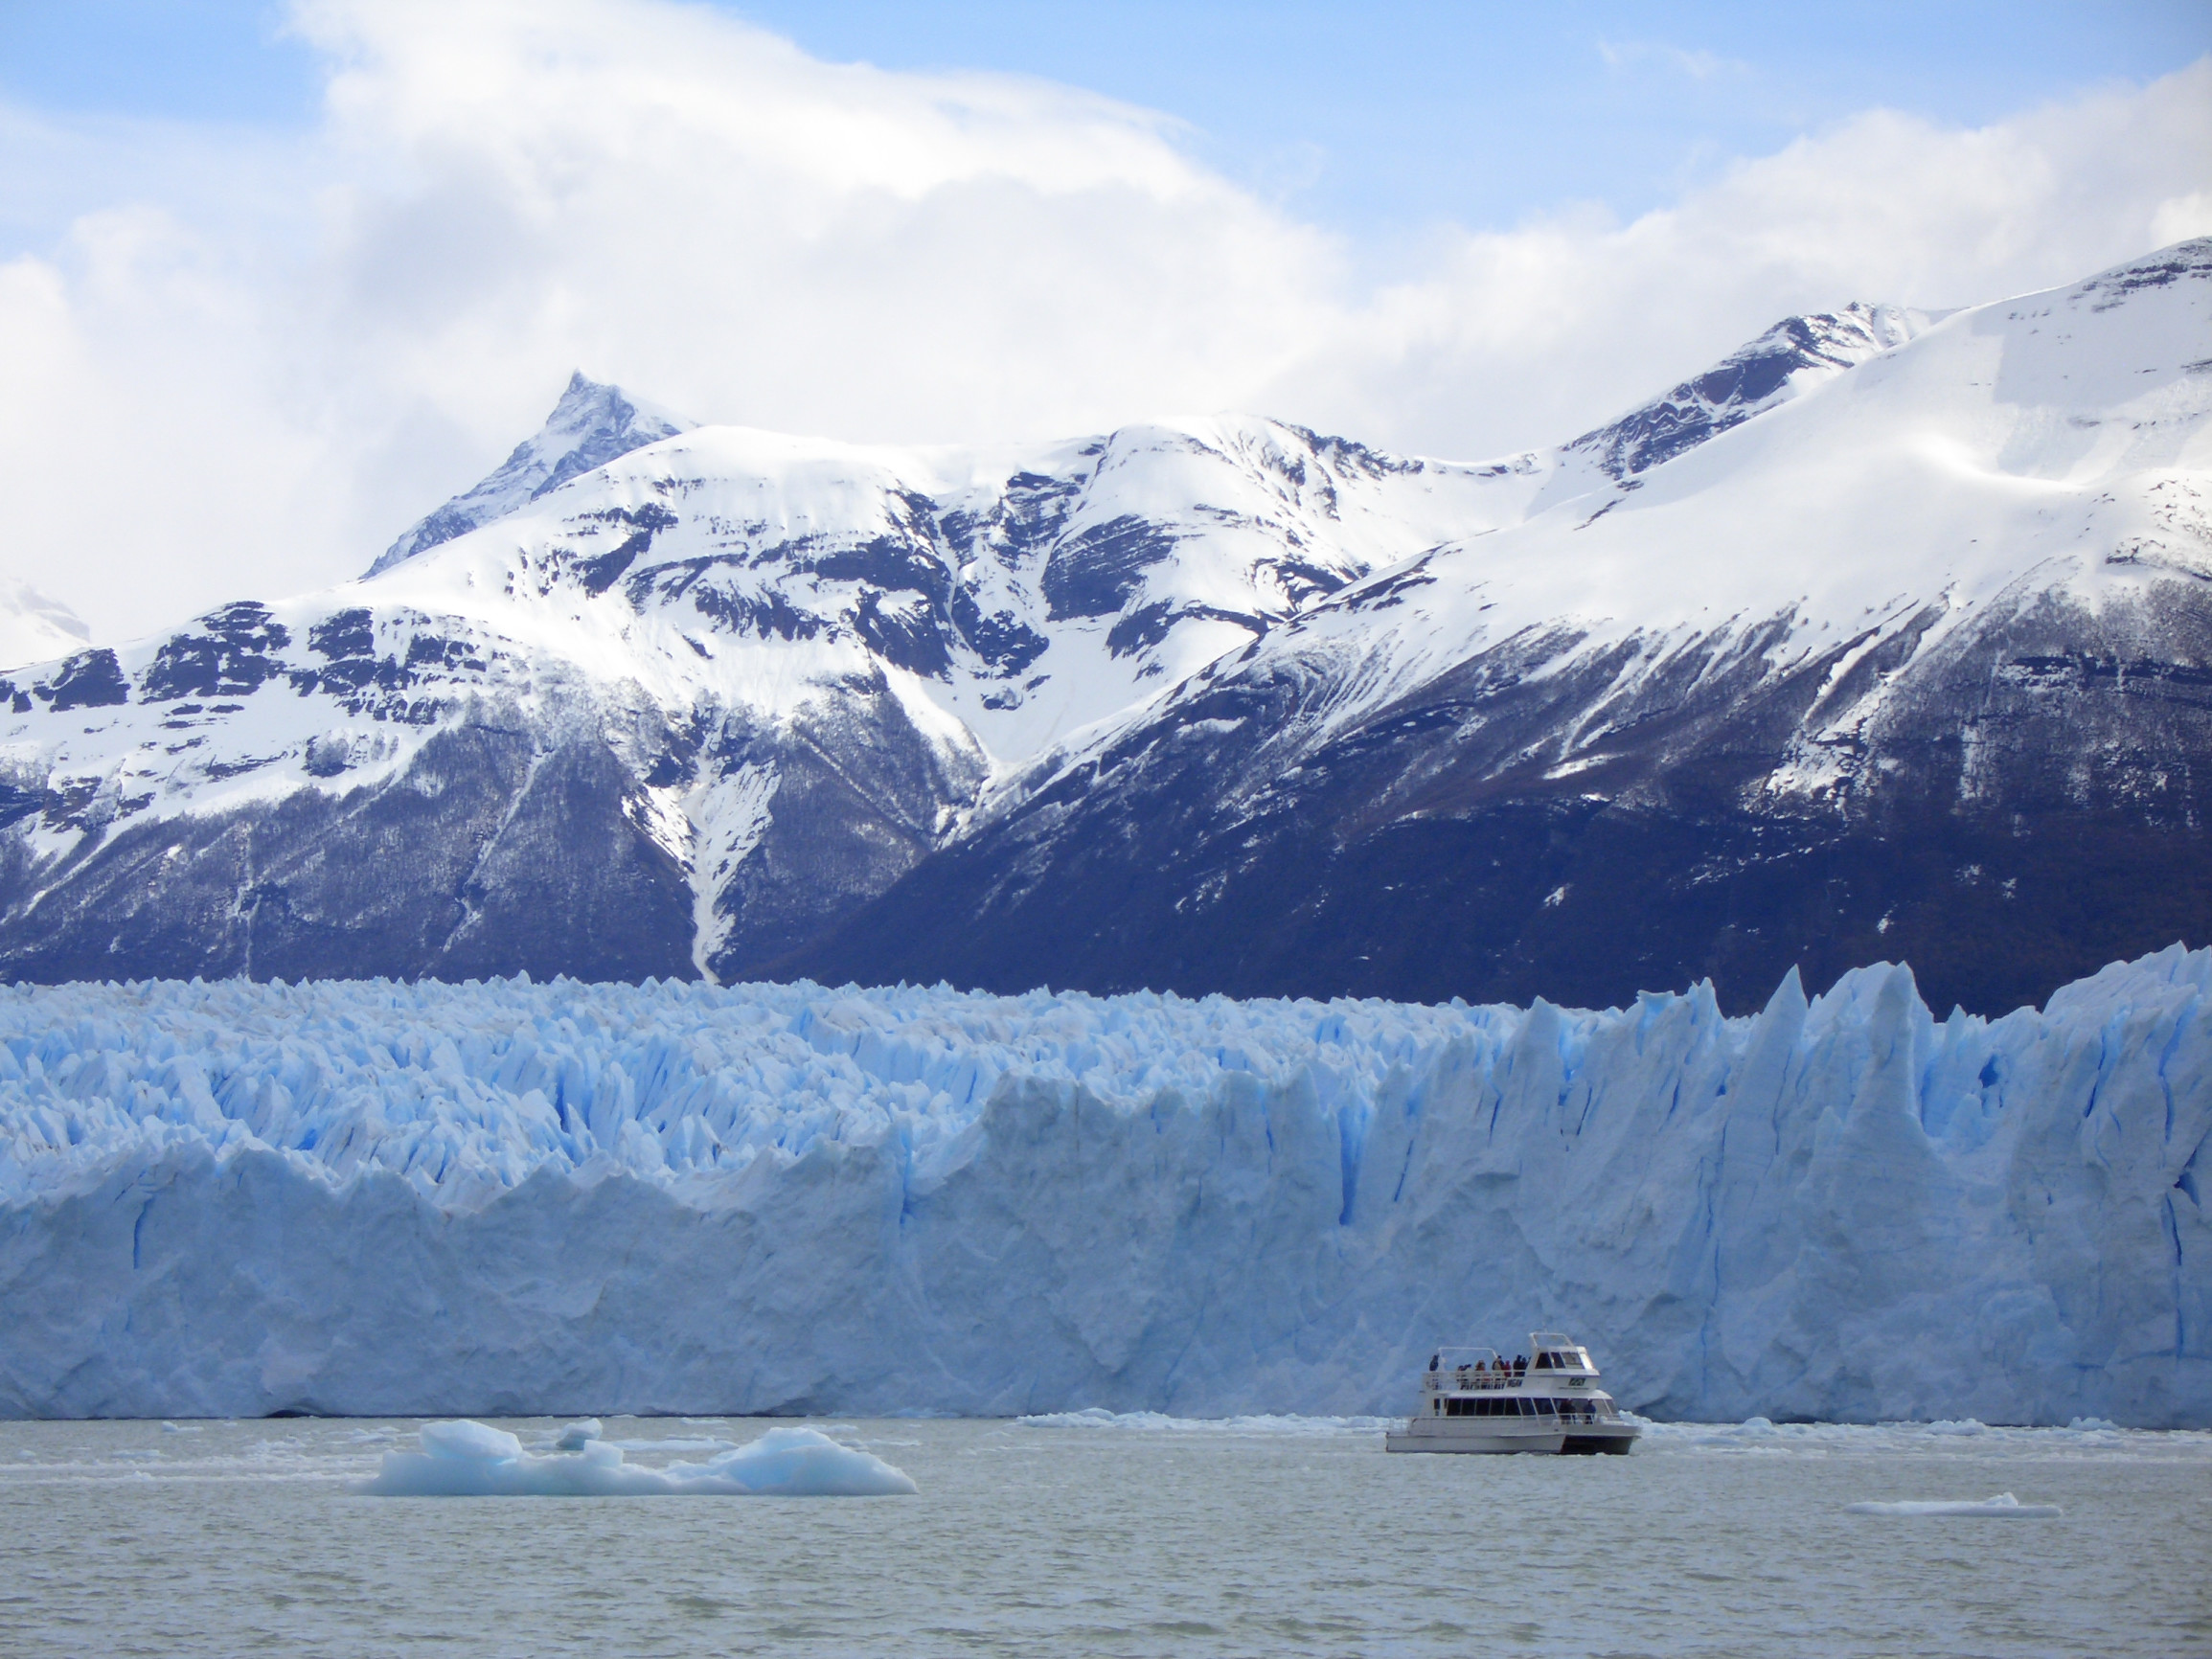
(1117, 1535)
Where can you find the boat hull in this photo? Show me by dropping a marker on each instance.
(1475, 1436)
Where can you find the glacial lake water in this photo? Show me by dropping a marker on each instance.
(1123, 1536)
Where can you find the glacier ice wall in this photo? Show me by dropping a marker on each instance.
(375, 1198)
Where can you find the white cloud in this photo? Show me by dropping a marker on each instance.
(247, 375)
(1532, 334)
(2182, 218)
(1697, 64)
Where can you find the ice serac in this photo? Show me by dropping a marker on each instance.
(592, 424)
(520, 1198)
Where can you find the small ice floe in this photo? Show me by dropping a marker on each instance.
(577, 1436)
(180, 1428)
(2004, 1507)
(467, 1459)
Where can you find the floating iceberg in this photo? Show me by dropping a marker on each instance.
(473, 1460)
(520, 1199)
(2003, 1506)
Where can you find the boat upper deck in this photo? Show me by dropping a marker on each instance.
(1555, 1362)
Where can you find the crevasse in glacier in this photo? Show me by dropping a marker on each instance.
(509, 1197)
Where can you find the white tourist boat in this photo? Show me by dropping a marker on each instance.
(1474, 1400)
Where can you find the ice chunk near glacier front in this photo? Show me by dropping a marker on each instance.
(2004, 1507)
(474, 1460)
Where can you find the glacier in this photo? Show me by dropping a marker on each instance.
(510, 1199)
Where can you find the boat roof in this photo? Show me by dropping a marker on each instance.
(1539, 1342)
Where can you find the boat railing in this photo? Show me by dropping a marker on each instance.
(1471, 1378)
(1549, 1408)
(1474, 1376)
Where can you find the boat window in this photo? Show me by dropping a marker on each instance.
(1543, 1362)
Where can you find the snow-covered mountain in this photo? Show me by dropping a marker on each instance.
(1886, 636)
(1917, 663)
(673, 716)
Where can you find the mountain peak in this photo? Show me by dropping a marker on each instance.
(593, 423)
(1790, 358)
(34, 628)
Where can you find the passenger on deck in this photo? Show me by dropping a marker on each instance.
(1521, 1365)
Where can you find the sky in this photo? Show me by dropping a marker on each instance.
(275, 279)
